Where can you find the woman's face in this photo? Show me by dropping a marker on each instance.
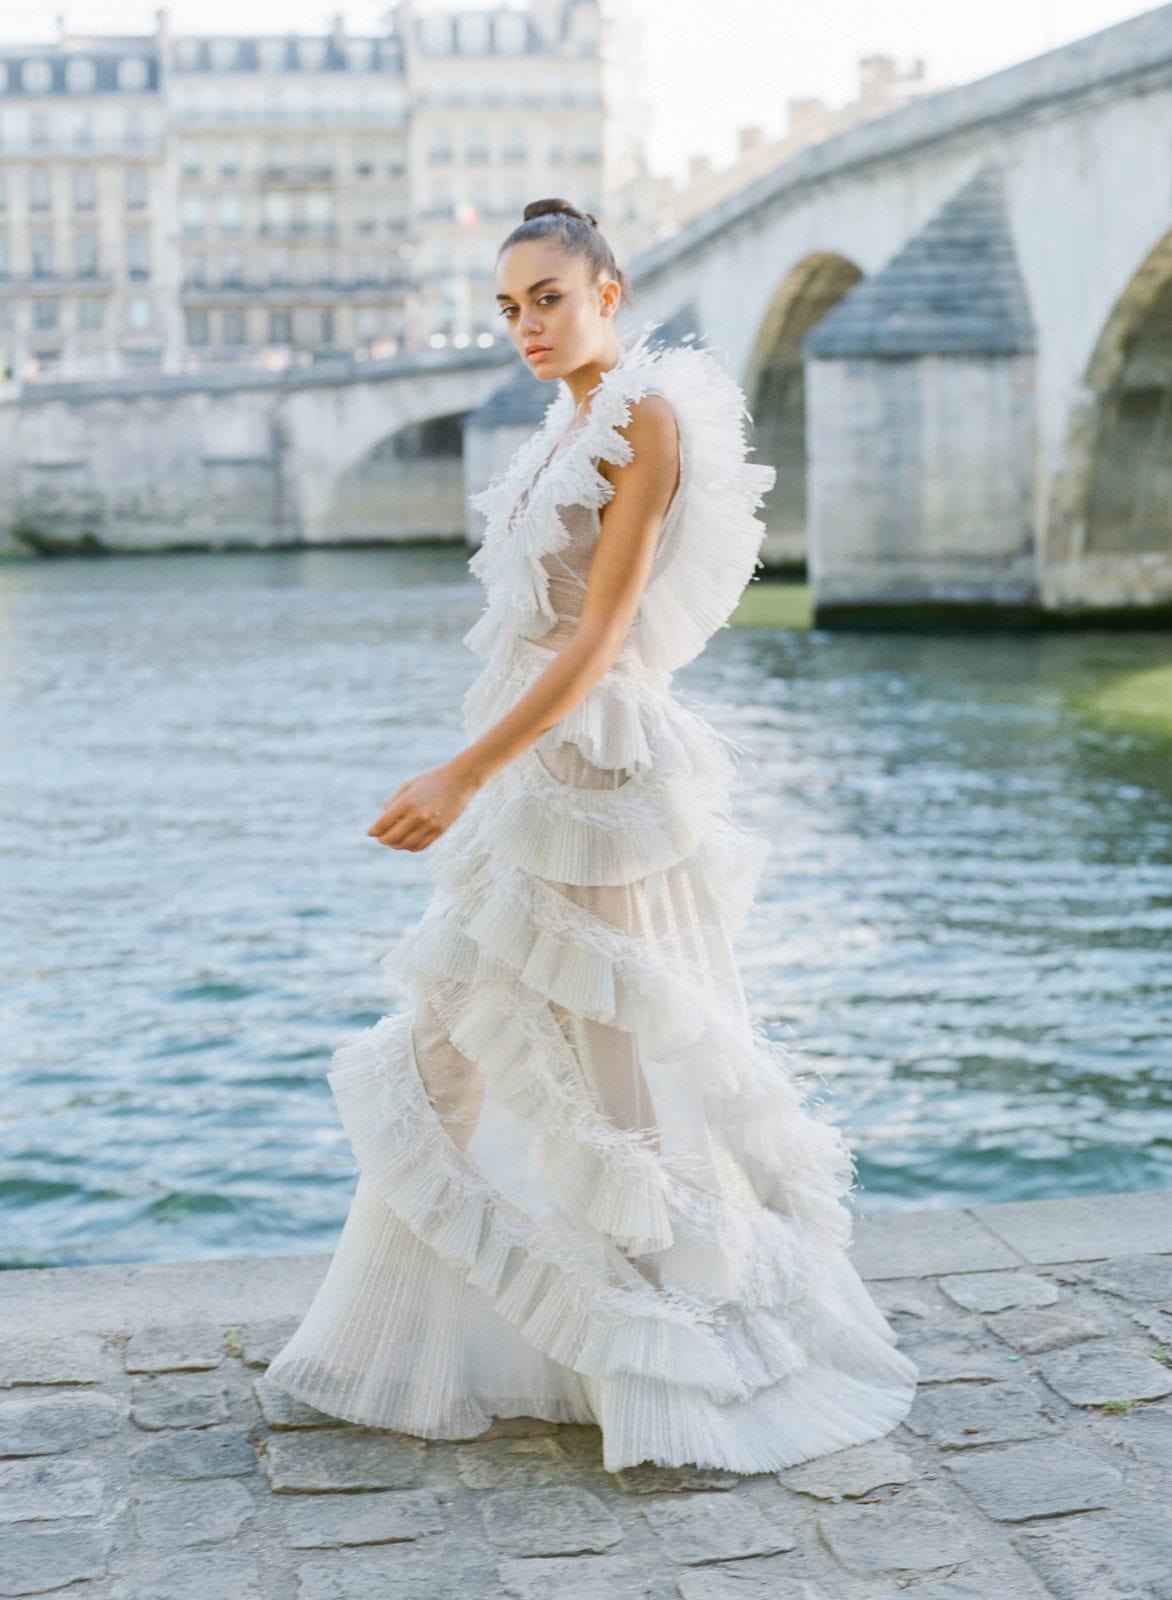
(556, 316)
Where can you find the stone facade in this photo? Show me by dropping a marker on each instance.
(173, 202)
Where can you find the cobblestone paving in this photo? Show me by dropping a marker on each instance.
(157, 1463)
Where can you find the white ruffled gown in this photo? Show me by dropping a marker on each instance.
(590, 1188)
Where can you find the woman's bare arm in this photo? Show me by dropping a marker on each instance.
(426, 806)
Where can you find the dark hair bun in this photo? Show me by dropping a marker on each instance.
(541, 208)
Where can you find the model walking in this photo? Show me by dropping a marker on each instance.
(590, 1187)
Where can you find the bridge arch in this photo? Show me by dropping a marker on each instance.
(1127, 482)
(407, 485)
(776, 389)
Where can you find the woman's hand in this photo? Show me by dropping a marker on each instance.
(423, 808)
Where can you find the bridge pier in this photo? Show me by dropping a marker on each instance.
(920, 426)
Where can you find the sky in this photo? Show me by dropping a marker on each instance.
(707, 69)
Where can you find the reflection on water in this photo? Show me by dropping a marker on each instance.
(963, 927)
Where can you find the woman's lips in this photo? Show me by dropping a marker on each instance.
(536, 355)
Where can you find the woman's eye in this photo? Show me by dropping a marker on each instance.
(505, 311)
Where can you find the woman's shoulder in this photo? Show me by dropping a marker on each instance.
(652, 431)
(712, 549)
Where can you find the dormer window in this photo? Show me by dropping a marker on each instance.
(36, 76)
(224, 53)
(132, 72)
(80, 74)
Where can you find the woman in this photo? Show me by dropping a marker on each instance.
(590, 1188)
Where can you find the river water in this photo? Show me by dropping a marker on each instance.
(964, 926)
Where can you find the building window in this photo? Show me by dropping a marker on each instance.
(477, 150)
(325, 327)
(279, 267)
(276, 157)
(3, 191)
(366, 267)
(46, 315)
(277, 213)
(366, 323)
(89, 315)
(230, 213)
(85, 254)
(79, 73)
(229, 158)
(514, 148)
(318, 267)
(3, 255)
(272, 53)
(191, 213)
(191, 158)
(84, 189)
(363, 158)
(40, 195)
(137, 188)
(139, 312)
(232, 271)
(233, 327)
(196, 327)
(311, 53)
(132, 72)
(138, 253)
(319, 212)
(321, 158)
(39, 130)
(365, 215)
(281, 328)
(83, 131)
(196, 273)
(42, 252)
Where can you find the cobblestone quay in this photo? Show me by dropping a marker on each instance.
(143, 1456)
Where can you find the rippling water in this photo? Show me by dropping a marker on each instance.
(964, 925)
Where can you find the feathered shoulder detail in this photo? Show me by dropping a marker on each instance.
(711, 540)
(710, 543)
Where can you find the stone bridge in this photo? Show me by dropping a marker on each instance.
(344, 451)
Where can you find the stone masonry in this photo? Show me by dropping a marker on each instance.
(143, 1456)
